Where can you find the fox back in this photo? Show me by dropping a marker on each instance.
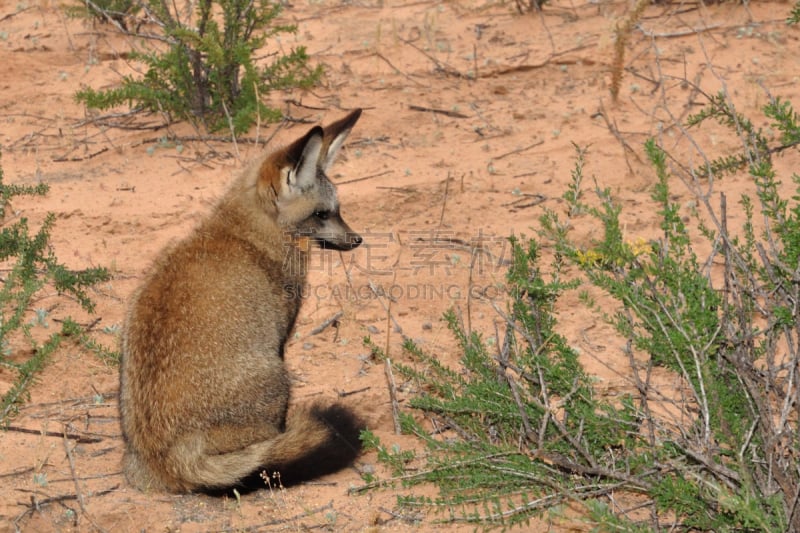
(204, 392)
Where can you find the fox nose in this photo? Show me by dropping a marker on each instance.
(337, 242)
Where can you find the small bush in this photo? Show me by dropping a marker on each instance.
(524, 429)
(204, 68)
(794, 16)
(520, 428)
(31, 266)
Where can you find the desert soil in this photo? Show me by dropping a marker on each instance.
(471, 110)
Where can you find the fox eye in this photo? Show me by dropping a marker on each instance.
(322, 215)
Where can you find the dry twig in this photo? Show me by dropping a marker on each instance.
(79, 494)
(393, 395)
(445, 112)
(331, 321)
(82, 439)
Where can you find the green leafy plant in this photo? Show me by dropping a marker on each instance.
(205, 68)
(671, 311)
(518, 428)
(794, 16)
(30, 266)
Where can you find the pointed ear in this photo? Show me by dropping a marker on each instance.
(299, 171)
(335, 134)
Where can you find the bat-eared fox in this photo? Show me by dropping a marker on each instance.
(203, 388)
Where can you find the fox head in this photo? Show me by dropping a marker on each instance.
(304, 198)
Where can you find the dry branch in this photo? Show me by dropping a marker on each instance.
(15, 13)
(63, 158)
(82, 439)
(445, 112)
(333, 320)
(355, 180)
(393, 396)
(518, 150)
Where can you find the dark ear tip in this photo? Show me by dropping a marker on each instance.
(316, 130)
(352, 117)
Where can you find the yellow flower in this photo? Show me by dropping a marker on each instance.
(640, 247)
(590, 258)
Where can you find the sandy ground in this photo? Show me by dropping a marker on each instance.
(471, 112)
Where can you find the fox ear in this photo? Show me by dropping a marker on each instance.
(302, 157)
(335, 135)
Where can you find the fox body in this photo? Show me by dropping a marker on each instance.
(203, 388)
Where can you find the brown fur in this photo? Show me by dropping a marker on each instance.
(203, 388)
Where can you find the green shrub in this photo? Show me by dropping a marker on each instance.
(794, 16)
(31, 266)
(204, 69)
(521, 421)
(519, 427)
